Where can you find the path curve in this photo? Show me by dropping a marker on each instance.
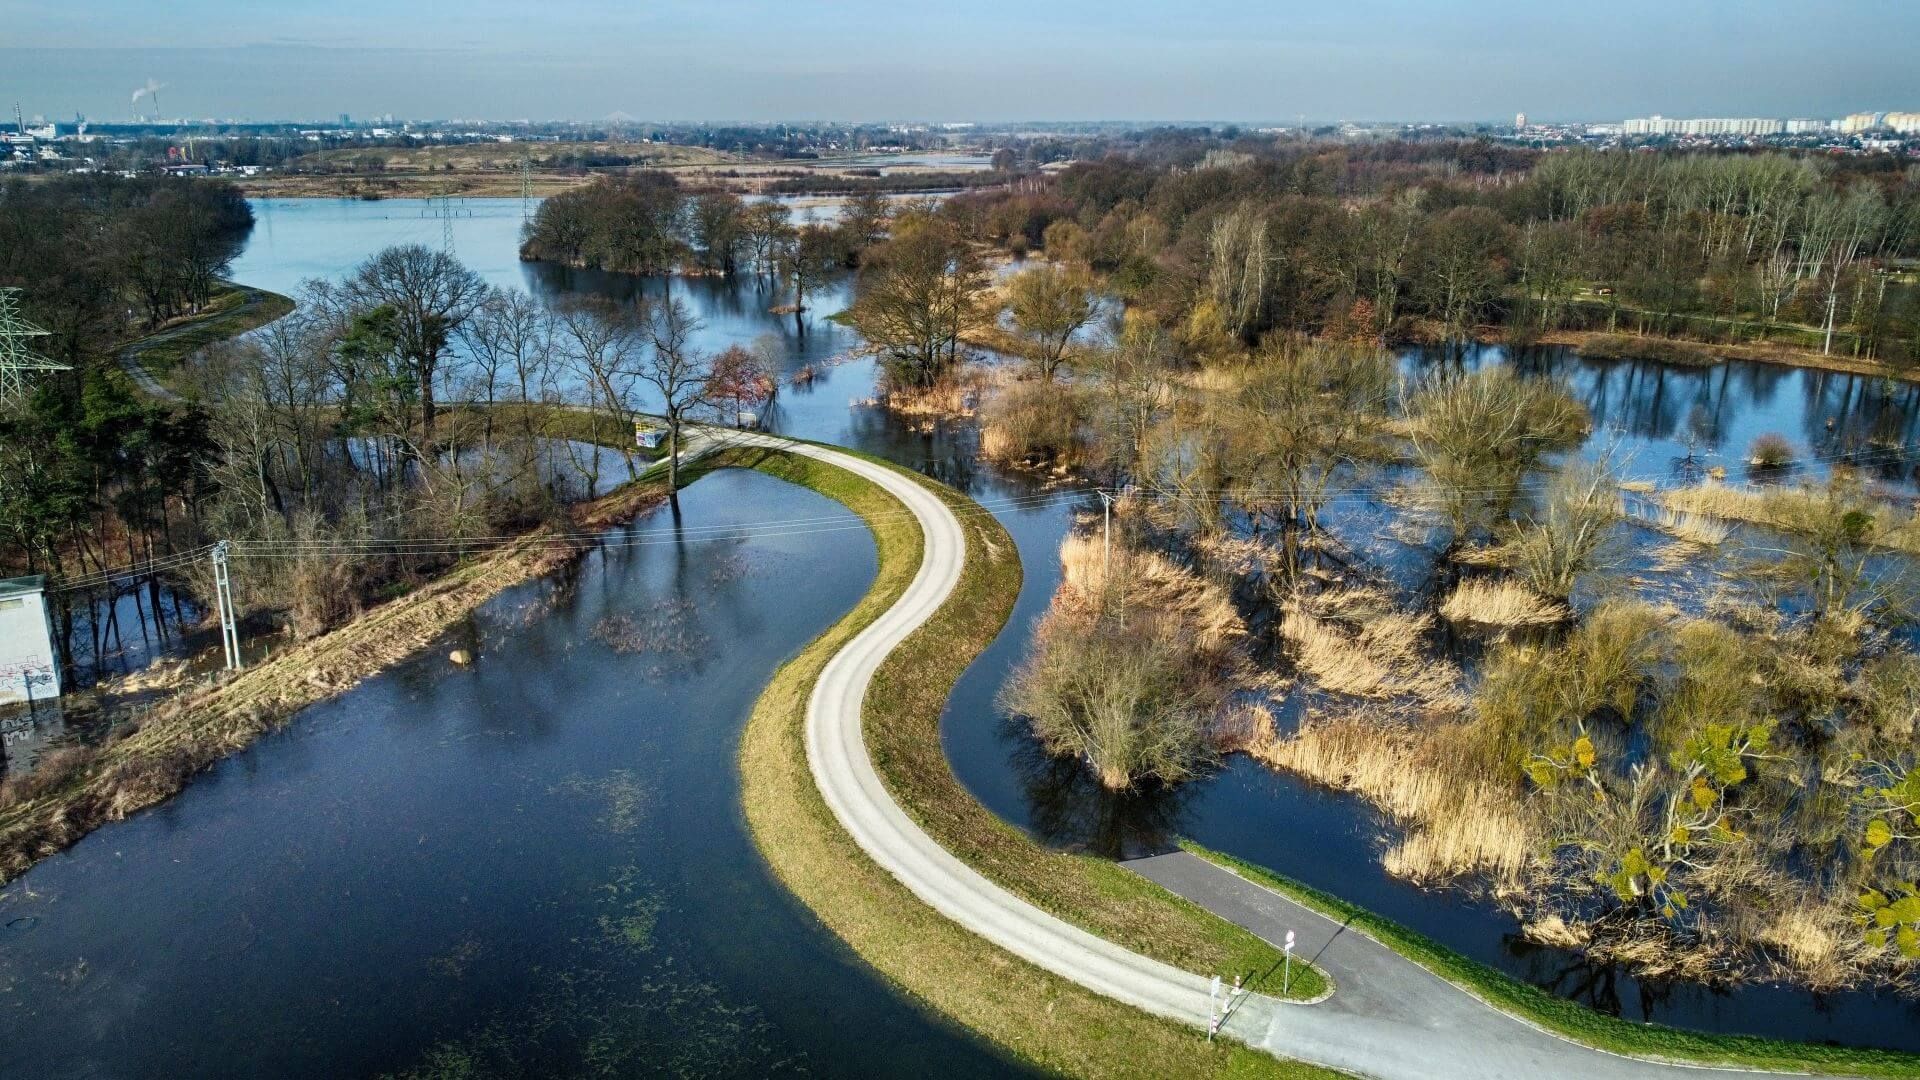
(1387, 1017)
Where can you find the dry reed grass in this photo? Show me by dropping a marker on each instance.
(1152, 583)
(1384, 660)
(1502, 602)
(1455, 823)
(1701, 529)
(1797, 510)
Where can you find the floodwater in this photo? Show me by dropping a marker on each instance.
(432, 859)
(521, 864)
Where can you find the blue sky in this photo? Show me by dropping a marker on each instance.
(980, 59)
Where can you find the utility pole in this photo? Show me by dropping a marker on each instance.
(223, 595)
(1106, 563)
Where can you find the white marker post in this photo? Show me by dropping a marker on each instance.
(1286, 973)
(1213, 1008)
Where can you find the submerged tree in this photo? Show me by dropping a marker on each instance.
(920, 294)
(1479, 433)
(1133, 667)
(1049, 306)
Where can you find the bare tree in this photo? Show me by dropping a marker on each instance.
(1049, 306)
(602, 342)
(678, 372)
(1841, 228)
(431, 295)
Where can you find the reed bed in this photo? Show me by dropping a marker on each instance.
(1385, 659)
(1454, 822)
(1500, 602)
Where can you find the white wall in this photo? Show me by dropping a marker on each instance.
(26, 650)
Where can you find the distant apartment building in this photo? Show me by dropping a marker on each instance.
(1662, 125)
(1854, 123)
(1520, 120)
(1906, 123)
(1807, 127)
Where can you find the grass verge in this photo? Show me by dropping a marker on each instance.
(79, 789)
(228, 315)
(1571, 1019)
(1041, 1018)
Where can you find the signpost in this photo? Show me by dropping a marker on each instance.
(1286, 972)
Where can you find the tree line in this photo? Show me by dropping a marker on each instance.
(1413, 243)
(100, 257)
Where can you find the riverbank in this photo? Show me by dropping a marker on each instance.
(235, 310)
(1045, 1019)
(1571, 1020)
(1622, 346)
(77, 790)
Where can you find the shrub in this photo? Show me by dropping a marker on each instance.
(1567, 537)
(1032, 421)
(1770, 451)
(1133, 671)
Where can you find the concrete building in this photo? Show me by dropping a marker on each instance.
(1520, 121)
(1855, 123)
(1906, 123)
(28, 670)
(1662, 125)
(1807, 127)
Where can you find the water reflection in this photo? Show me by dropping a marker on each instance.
(1068, 808)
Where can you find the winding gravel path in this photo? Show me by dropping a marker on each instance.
(1387, 1017)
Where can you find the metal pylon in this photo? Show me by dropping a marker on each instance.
(526, 187)
(16, 360)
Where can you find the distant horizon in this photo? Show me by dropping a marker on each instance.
(997, 61)
(960, 124)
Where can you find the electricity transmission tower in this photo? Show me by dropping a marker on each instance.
(526, 186)
(17, 362)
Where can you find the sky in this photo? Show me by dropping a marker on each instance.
(983, 60)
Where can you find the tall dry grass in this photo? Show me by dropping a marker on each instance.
(1800, 509)
(1456, 821)
(1033, 421)
(1384, 659)
(1701, 529)
(1500, 602)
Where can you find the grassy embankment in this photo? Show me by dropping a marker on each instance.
(227, 315)
(1044, 1019)
(78, 789)
(1571, 1019)
(468, 170)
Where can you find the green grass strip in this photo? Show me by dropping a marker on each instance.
(1572, 1019)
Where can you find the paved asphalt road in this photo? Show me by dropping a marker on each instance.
(1387, 1017)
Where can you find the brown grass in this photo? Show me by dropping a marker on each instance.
(1797, 510)
(1703, 530)
(1501, 602)
(1454, 824)
(1383, 660)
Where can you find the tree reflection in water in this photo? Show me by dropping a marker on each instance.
(1069, 808)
